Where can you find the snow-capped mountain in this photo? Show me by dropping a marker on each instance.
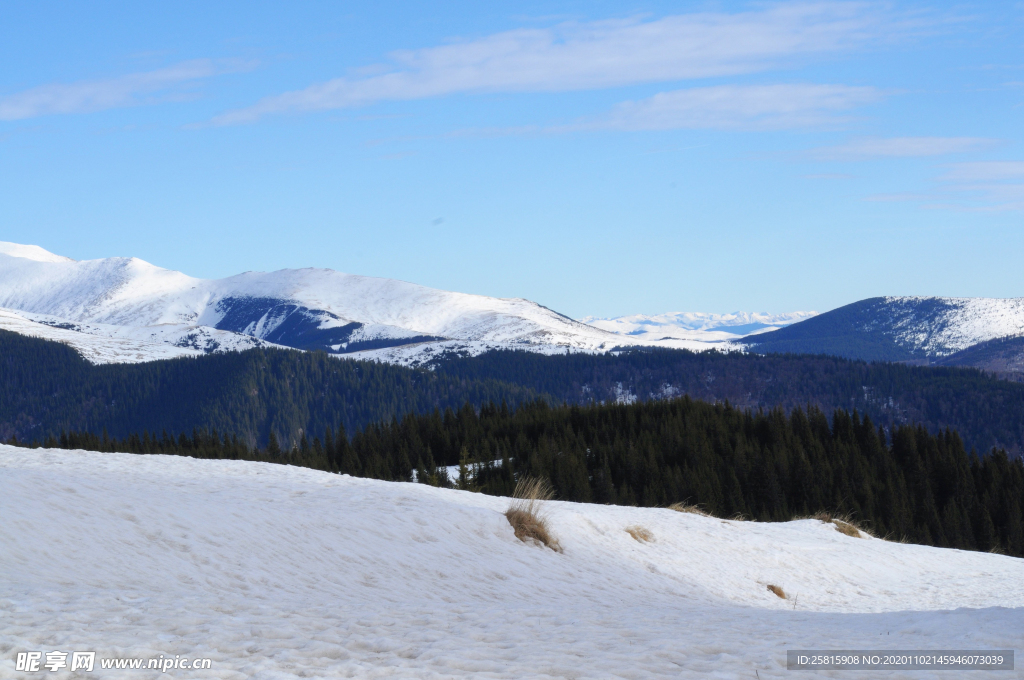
(129, 299)
(696, 325)
(920, 329)
(126, 310)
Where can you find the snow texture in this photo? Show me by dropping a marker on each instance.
(283, 572)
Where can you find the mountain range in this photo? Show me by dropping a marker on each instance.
(125, 310)
(128, 310)
(700, 326)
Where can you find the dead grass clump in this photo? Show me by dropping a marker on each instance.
(524, 512)
(847, 528)
(640, 533)
(778, 591)
(845, 524)
(687, 507)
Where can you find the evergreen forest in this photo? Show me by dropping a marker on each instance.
(46, 388)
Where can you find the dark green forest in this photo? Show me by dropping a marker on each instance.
(986, 411)
(767, 466)
(46, 388)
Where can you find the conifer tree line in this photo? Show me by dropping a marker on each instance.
(765, 465)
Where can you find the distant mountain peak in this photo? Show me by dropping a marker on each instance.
(697, 326)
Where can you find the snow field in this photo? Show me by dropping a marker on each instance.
(282, 572)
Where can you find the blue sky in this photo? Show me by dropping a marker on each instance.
(602, 158)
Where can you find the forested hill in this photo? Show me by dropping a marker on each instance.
(45, 387)
(986, 412)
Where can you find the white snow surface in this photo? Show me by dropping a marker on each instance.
(129, 292)
(104, 343)
(696, 326)
(94, 348)
(283, 572)
(964, 323)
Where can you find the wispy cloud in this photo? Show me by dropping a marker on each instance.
(998, 185)
(97, 95)
(983, 171)
(902, 147)
(575, 56)
(982, 186)
(737, 107)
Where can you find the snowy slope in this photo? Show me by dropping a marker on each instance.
(919, 329)
(699, 326)
(305, 309)
(283, 572)
(941, 326)
(97, 348)
(104, 343)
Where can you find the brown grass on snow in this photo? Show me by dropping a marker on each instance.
(524, 512)
(844, 523)
(688, 507)
(640, 533)
(778, 591)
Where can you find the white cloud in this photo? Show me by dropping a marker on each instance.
(748, 107)
(902, 147)
(984, 171)
(996, 184)
(593, 55)
(982, 186)
(98, 95)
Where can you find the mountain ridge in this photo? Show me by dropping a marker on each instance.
(916, 329)
(339, 313)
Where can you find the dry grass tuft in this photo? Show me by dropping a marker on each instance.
(778, 591)
(687, 507)
(847, 528)
(640, 533)
(845, 524)
(524, 512)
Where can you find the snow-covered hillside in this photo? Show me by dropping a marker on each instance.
(941, 326)
(699, 326)
(281, 572)
(97, 348)
(105, 343)
(305, 309)
(919, 329)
